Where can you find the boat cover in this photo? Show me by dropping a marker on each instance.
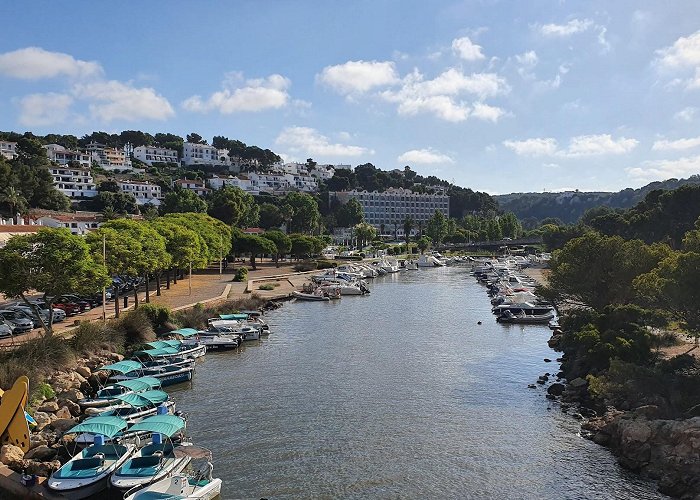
(154, 353)
(140, 384)
(124, 366)
(104, 425)
(147, 398)
(162, 424)
(185, 332)
(159, 344)
(237, 316)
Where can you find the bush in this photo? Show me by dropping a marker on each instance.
(33, 359)
(307, 265)
(135, 327)
(241, 274)
(268, 286)
(157, 314)
(325, 264)
(89, 337)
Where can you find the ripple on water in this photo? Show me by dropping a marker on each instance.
(399, 394)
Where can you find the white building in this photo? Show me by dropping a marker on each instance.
(58, 154)
(323, 172)
(342, 167)
(8, 149)
(144, 192)
(79, 223)
(391, 207)
(193, 185)
(151, 154)
(240, 181)
(110, 158)
(74, 182)
(202, 154)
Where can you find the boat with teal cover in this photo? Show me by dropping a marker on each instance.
(157, 459)
(88, 472)
(107, 395)
(167, 370)
(193, 350)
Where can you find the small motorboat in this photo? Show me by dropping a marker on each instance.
(525, 319)
(108, 395)
(198, 485)
(311, 296)
(411, 265)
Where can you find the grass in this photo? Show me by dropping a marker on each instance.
(268, 286)
(35, 359)
(197, 316)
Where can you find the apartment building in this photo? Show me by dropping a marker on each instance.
(63, 156)
(203, 154)
(144, 192)
(193, 185)
(74, 182)
(8, 149)
(150, 155)
(109, 158)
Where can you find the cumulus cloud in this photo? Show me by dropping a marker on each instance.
(38, 110)
(34, 63)
(358, 76)
(686, 114)
(253, 95)
(677, 145)
(487, 113)
(563, 30)
(308, 141)
(114, 100)
(664, 169)
(424, 156)
(582, 145)
(684, 53)
(466, 49)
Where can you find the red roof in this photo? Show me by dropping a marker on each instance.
(254, 230)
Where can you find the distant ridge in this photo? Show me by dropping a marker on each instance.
(569, 206)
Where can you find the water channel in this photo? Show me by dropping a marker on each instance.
(399, 394)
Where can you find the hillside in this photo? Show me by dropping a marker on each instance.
(569, 206)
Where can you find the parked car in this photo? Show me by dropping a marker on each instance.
(69, 307)
(5, 329)
(58, 314)
(19, 322)
(29, 312)
(84, 304)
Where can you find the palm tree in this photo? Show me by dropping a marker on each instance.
(407, 227)
(13, 199)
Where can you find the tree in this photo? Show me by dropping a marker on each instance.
(181, 200)
(195, 138)
(282, 243)
(215, 235)
(233, 206)
(303, 245)
(407, 227)
(423, 244)
(109, 186)
(350, 214)
(118, 203)
(253, 245)
(436, 228)
(13, 199)
(510, 226)
(364, 233)
(52, 261)
(306, 215)
(270, 216)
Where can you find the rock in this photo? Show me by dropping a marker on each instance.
(42, 420)
(41, 453)
(73, 408)
(63, 424)
(541, 382)
(36, 440)
(559, 360)
(578, 382)
(43, 469)
(547, 360)
(79, 379)
(10, 454)
(64, 412)
(556, 389)
(72, 394)
(84, 371)
(531, 386)
(550, 396)
(577, 416)
(49, 407)
(601, 438)
(635, 431)
(115, 356)
(648, 411)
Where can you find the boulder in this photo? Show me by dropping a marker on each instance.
(42, 419)
(64, 412)
(84, 371)
(72, 394)
(10, 454)
(41, 453)
(43, 469)
(601, 438)
(547, 360)
(36, 440)
(556, 389)
(73, 408)
(648, 411)
(115, 356)
(63, 424)
(578, 382)
(49, 407)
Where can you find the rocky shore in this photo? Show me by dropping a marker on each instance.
(54, 415)
(662, 449)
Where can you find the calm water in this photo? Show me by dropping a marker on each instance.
(399, 394)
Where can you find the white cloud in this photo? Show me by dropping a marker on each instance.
(38, 110)
(114, 100)
(308, 141)
(466, 49)
(582, 145)
(665, 169)
(684, 53)
(254, 95)
(486, 112)
(563, 30)
(677, 145)
(528, 58)
(358, 76)
(34, 63)
(686, 114)
(601, 144)
(533, 147)
(424, 156)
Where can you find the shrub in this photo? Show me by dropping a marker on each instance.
(268, 286)
(157, 314)
(241, 274)
(92, 335)
(33, 359)
(307, 265)
(135, 327)
(325, 264)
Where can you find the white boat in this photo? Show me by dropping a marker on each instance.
(345, 288)
(157, 459)
(411, 265)
(87, 473)
(525, 318)
(312, 296)
(108, 395)
(218, 342)
(389, 264)
(429, 261)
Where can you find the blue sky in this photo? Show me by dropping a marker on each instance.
(499, 96)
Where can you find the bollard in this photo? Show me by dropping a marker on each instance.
(126, 302)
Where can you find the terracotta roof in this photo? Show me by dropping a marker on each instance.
(14, 228)
(253, 230)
